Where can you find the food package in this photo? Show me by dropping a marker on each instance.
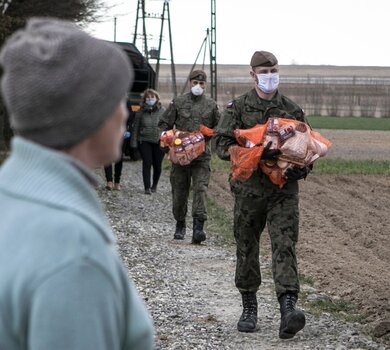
(244, 161)
(184, 147)
(250, 137)
(300, 146)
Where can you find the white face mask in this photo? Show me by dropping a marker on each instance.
(197, 90)
(150, 101)
(268, 82)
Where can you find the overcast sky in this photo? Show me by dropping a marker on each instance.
(315, 32)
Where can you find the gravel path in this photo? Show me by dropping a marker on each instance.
(189, 290)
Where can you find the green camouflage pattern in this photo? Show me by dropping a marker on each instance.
(187, 113)
(281, 215)
(180, 177)
(259, 202)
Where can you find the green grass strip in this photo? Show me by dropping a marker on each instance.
(220, 220)
(330, 166)
(352, 167)
(350, 123)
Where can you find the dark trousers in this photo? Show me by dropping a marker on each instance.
(152, 156)
(117, 171)
(280, 212)
(182, 176)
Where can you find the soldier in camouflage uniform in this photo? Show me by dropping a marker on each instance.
(258, 202)
(187, 113)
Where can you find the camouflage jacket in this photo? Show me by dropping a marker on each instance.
(244, 113)
(187, 112)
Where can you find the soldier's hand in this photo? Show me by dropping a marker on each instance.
(270, 154)
(294, 173)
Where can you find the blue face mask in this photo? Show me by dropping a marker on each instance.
(150, 101)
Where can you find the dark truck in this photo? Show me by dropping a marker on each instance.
(144, 78)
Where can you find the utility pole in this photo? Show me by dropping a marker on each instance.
(155, 53)
(213, 51)
(114, 29)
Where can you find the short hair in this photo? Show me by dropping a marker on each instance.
(150, 92)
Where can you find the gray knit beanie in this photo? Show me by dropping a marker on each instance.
(60, 84)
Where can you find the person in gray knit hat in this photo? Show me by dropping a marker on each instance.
(59, 86)
(65, 93)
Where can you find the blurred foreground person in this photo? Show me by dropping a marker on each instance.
(146, 137)
(259, 202)
(62, 285)
(188, 113)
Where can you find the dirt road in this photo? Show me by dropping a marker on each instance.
(189, 290)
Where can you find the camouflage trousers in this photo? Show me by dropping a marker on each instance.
(197, 173)
(281, 214)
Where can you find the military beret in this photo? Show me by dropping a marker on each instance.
(263, 58)
(198, 75)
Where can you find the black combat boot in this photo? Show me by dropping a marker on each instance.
(180, 230)
(248, 319)
(292, 320)
(198, 235)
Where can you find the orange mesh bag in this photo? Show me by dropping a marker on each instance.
(244, 161)
(300, 146)
(206, 131)
(251, 137)
(186, 146)
(274, 172)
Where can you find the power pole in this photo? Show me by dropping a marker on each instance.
(155, 53)
(213, 51)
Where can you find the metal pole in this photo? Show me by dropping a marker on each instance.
(114, 29)
(159, 46)
(146, 53)
(139, 5)
(171, 47)
(213, 51)
(204, 43)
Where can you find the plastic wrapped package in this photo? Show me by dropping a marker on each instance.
(300, 146)
(184, 147)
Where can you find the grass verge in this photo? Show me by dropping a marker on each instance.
(352, 167)
(220, 221)
(337, 308)
(350, 123)
(330, 166)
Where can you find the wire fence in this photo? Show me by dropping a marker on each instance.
(356, 96)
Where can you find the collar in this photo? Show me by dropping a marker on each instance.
(55, 179)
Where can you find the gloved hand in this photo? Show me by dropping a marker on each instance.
(165, 149)
(270, 154)
(294, 173)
